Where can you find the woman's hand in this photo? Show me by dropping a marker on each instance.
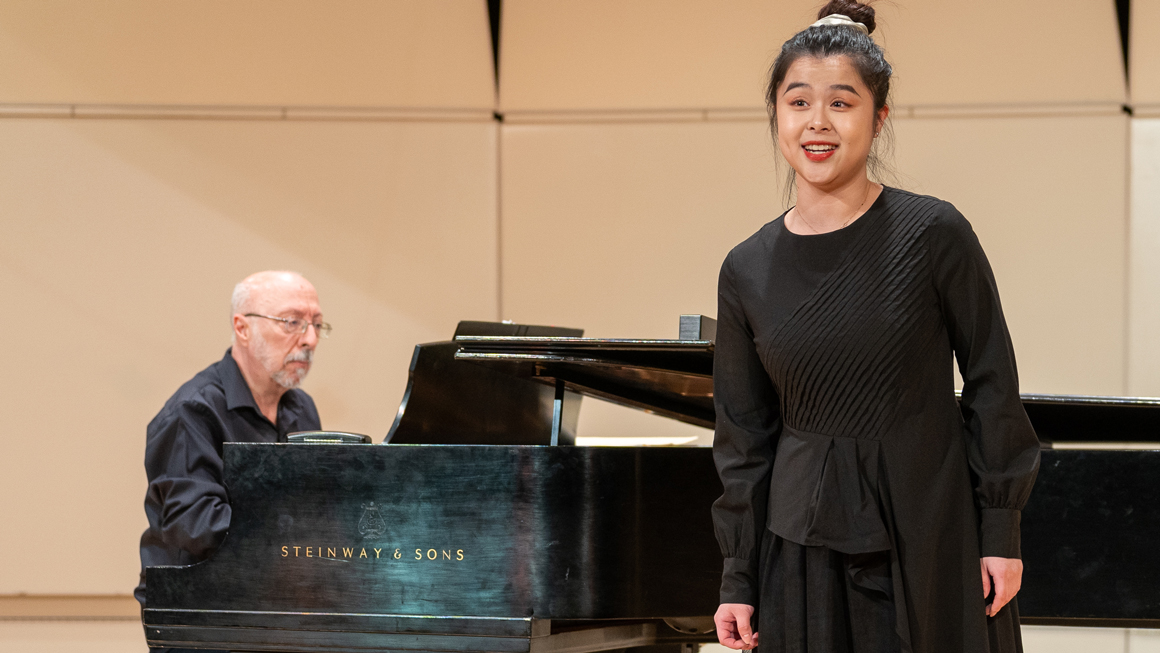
(1006, 574)
(733, 627)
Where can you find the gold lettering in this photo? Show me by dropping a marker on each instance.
(308, 553)
(397, 554)
(432, 554)
(418, 554)
(446, 555)
(329, 552)
(459, 554)
(364, 554)
(377, 552)
(346, 553)
(285, 552)
(296, 551)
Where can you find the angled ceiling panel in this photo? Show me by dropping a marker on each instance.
(1001, 52)
(641, 54)
(351, 53)
(1144, 56)
(569, 55)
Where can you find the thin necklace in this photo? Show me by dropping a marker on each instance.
(844, 224)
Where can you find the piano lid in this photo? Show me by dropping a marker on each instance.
(673, 378)
(448, 401)
(1082, 418)
(503, 383)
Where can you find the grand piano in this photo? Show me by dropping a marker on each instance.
(479, 526)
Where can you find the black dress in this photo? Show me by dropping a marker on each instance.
(858, 496)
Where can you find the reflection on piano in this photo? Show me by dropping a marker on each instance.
(467, 531)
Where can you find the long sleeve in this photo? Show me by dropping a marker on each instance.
(185, 480)
(1003, 449)
(748, 422)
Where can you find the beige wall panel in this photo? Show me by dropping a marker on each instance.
(1145, 53)
(122, 242)
(620, 228)
(674, 54)
(1141, 640)
(1059, 639)
(69, 637)
(641, 54)
(1001, 52)
(393, 53)
(1144, 284)
(602, 419)
(1056, 639)
(1053, 222)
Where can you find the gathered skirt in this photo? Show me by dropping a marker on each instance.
(817, 600)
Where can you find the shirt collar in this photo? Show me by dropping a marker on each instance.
(238, 394)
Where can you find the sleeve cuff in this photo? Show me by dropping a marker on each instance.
(999, 533)
(739, 581)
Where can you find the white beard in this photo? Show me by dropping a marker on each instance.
(286, 378)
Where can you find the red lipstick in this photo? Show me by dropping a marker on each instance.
(819, 150)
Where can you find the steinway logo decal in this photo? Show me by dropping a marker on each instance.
(349, 553)
(370, 526)
(372, 523)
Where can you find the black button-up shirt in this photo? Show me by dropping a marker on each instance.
(187, 505)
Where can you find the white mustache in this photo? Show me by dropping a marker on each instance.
(300, 355)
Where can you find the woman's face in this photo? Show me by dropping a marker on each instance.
(826, 121)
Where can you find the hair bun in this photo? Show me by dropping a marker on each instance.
(852, 9)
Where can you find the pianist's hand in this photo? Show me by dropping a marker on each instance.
(1005, 574)
(733, 627)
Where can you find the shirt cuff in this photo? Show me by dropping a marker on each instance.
(739, 581)
(999, 533)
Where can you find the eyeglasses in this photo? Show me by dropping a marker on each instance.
(296, 326)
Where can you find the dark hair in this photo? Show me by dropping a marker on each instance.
(837, 40)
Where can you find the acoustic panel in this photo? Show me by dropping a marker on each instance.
(997, 52)
(615, 55)
(1143, 640)
(62, 637)
(621, 228)
(351, 53)
(1053, 221)
(1144, 259)
(641, 54)
(1061, 639)
(1144, 54)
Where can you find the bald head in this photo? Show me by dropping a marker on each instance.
(256, 292)
(272, 352)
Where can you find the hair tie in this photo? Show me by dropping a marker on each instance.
(842, 21)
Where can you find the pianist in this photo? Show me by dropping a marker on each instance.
(250, 395)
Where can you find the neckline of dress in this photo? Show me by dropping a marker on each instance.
(875, 207)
